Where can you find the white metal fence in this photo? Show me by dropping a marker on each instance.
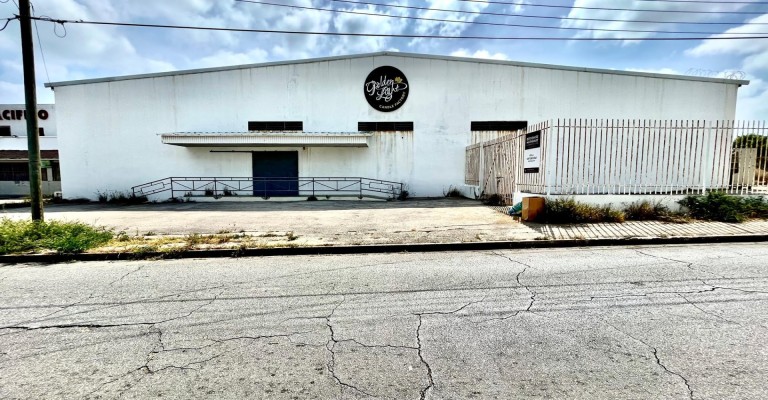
(587, 156)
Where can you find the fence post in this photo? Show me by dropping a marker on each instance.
(481, 169)
(551, 156)
(708, 167)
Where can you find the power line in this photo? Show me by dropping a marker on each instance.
(520, 3)
(410, 36)
(706, 2)
(489, 23)
(7, 21)
(545, 16)
(40, 44)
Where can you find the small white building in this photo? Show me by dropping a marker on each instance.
(14, 157)
(390, 116)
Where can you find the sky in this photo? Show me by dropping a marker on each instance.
(79, 51)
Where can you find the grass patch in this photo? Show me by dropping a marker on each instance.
(61, 237)
(718, 206)
(570, 211)
(120, 198)
(647, 211)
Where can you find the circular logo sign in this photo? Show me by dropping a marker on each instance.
(386, 88)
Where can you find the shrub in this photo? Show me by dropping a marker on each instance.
(570, 211)
(312, 198)
(62, 237)
(718, 206)
(403, 195)
(645, 211)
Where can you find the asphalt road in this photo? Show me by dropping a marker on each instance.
(647, 322)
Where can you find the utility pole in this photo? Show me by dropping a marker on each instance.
(33, 140)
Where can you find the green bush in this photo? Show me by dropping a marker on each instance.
(121, 198)
(570, 211)
(718, 206)
(62, 237)
(646, 211)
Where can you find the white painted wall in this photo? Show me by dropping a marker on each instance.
(20, 143)
(21, 189)
(109, 130)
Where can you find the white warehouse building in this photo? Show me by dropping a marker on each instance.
(389, 116)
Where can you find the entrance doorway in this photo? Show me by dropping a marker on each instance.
(275, 173)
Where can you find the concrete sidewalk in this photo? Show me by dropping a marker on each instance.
(344, 223)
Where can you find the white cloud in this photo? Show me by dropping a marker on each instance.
(752, 56)
(747, 46)
(449, 28)
(224, 58)
(520, 7)
(355, 23)
(479, 54)
(666, 71)
(661, 20)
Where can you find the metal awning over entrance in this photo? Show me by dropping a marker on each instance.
(267, 139)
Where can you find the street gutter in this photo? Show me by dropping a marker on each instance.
(377, 248)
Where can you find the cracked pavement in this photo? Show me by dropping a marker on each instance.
(687, 322)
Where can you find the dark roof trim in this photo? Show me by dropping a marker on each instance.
(24, 155)
(394, 54)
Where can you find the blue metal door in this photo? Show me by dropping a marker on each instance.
(275, 173)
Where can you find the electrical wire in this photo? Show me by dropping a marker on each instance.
(489, 23)
(40, 44)
(706, 2)
(7, 21)
(513, 3)
(543, 16)
(412, 36)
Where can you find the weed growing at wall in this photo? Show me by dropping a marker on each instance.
(63, 237)
(121, 198)
(718, 206)
(452, 192)
(493, 200)
(570, 211)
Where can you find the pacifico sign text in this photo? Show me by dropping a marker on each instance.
(20, 114)
(386, 88)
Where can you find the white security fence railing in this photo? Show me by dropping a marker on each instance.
(497, 165)
(586, 157)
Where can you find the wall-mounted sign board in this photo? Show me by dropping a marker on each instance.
(532, 153)
(386, 88)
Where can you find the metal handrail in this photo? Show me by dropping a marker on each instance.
(248, 186)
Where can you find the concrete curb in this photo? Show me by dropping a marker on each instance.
(373, 249)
